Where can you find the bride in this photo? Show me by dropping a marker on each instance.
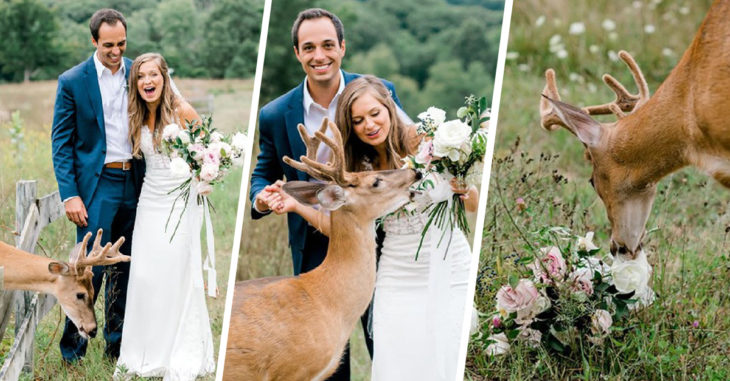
(166, 327)
(419, 303)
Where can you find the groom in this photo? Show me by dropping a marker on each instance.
(319, 45)
(98, 179)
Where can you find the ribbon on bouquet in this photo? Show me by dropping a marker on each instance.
(209, 264)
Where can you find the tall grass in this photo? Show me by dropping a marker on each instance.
(685, 334)
(35, 103)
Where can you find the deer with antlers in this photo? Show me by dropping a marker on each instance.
(69, 282)
(685, 123)
(310, 317)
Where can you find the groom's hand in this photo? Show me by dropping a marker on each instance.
(76, 211)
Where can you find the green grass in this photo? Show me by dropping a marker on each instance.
(687, 239)
(35, 102)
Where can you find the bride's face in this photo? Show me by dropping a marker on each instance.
(150, 82)
(370, 120)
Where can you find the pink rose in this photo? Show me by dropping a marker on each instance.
(601, 323)
(208, 172)
(553, 265)
(514, 299)
(425, 152)
(581, 280)
(212, 155)
(196, 151)
(204, 188)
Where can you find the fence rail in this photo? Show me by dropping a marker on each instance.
(32, 215)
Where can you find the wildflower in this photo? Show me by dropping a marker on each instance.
(577, 28)
(520, 204)
(608, 25)
(540, 20)
(649, 29)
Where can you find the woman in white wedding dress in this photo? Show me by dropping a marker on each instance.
(419, 304)
(166, 326)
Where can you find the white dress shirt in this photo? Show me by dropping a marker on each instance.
(314, 113)
(113, 88)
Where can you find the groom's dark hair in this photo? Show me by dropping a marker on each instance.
(106, 15)
(315, 13)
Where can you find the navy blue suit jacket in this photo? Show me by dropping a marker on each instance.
(78, 133)
(278, 136)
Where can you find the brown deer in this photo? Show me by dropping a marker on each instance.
(684, 123)
(296, 328)
(69, 282)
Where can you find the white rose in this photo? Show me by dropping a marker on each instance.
(631, 275)
(215, 136)
(184, 137)
(208, 172)
(238, 141)
(170, 132)
(204, 188)
(601, 322)
(500, 345)
(451, 135)
(434, 114)
(179, 167)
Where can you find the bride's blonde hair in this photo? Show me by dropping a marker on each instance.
(138, 111)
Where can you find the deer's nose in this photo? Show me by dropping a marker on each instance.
(418, 175)
(92, 333)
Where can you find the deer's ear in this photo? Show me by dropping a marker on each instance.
(331, 197)
(578, 122)
(58, 268)
(304, 191)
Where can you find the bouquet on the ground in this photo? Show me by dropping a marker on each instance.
(453, 148)
(198, 150)
(567, 295)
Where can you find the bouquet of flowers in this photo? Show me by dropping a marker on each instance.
(203, 153)
(454, 147)
(569, 294)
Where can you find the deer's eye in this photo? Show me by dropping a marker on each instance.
(80, 296)
(375, 184)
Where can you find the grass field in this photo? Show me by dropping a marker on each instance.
(30, 158)
(685, 334)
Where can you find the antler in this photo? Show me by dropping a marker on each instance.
(331, 171)
(99, 256)
(624, 103)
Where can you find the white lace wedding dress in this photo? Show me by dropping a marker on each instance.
(166, 326)
(419, 304)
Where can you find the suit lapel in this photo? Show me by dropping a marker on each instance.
(92, 88)
(294, 116)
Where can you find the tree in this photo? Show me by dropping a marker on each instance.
(29, 30)
(231, 38)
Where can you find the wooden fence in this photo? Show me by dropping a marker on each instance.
(31, 216)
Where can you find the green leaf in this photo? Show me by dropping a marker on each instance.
(513, 280)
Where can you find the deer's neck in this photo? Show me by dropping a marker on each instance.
(347, 275)
(25, 271)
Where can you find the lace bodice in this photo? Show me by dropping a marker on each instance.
(414, 222)
(153, 159)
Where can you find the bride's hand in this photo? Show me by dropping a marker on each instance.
(467, 193)
(281, 202)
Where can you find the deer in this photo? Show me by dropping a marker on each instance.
(683, 124)
(296, 328)
(69, 282)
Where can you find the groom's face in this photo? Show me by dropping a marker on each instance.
(319, 51)
(111, 44)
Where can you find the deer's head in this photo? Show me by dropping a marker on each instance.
(627, 197)
(368, 194)
(73, 287)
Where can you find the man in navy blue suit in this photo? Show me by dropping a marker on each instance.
(319, 45)
(98, 179)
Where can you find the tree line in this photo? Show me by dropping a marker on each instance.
(198, 38)
(435, 51)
